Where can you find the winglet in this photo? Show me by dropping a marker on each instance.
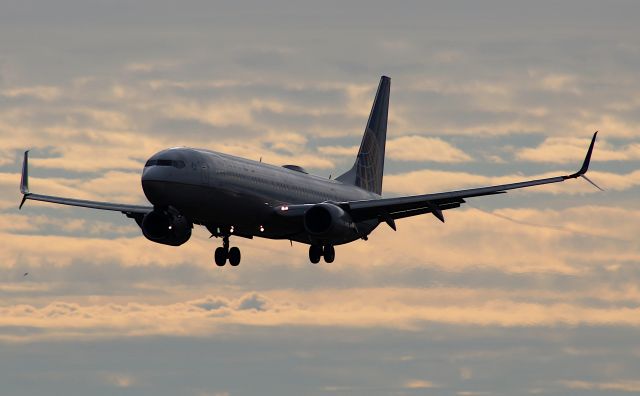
(592, 183)
(24, 180)
(587, 160)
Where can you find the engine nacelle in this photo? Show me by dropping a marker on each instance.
(328, 221)
(166, 227)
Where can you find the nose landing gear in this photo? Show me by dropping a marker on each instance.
(234, 256)
(317, 251)
(224, 253)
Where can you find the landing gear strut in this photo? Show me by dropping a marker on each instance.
(224, 252)
(316, 252)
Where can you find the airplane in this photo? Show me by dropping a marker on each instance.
(232, 196)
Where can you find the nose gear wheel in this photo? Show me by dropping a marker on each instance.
(316, 252)
(224, 253)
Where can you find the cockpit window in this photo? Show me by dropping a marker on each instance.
(164, 162)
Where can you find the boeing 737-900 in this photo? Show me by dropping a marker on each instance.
(233, 196)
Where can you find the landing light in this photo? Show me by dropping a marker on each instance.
(231, 229)
(284, 208)
(261, 229)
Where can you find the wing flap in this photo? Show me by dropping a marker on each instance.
(416, 212)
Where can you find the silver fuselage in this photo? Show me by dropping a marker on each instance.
(224, 192)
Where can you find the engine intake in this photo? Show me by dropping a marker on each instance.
(166, 227)
(328, 221)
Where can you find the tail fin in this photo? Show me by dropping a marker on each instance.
(368, 169)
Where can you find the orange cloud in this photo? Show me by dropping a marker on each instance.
(566, 150)
(42, 92)
(355, 308)
(432, 181)
(409, 148)
(530, 241)
(631, 386)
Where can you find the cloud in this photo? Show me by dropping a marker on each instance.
(112, 186)
(418, 148)
(211, 303)
(538, 242)
(558, 82)
(253, 301)
(151, 66)
(406, 310)
(122, 136)
(572, 150)
(339, 151)
(432, 181)
(419, 384)
(545, 242)
(120, 380)
(631, 386)
(41, 92)
(539, 250)
(409, 148)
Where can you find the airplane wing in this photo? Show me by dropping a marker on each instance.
(389, 209)
(27, 195)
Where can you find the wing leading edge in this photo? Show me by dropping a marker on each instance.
(388, 209)
(27, 195)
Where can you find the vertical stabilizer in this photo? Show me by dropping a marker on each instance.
(368, 169)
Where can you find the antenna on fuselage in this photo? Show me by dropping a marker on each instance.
(260, 159)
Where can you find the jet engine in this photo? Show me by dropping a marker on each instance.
(166, 227)
(328, 221)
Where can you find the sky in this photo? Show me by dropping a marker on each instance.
(529, 293)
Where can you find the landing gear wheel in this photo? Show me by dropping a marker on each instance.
(315, 252)
(329, 254)
(234, 256)
(221, 256)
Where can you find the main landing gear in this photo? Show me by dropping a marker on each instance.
(317, 251)
(225, 253)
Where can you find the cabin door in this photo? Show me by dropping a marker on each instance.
(204, 173)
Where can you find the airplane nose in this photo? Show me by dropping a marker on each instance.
(151, 174)
(154, 185)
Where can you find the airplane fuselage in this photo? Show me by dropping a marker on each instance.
(232, 194)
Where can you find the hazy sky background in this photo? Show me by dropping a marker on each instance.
(533, 292)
